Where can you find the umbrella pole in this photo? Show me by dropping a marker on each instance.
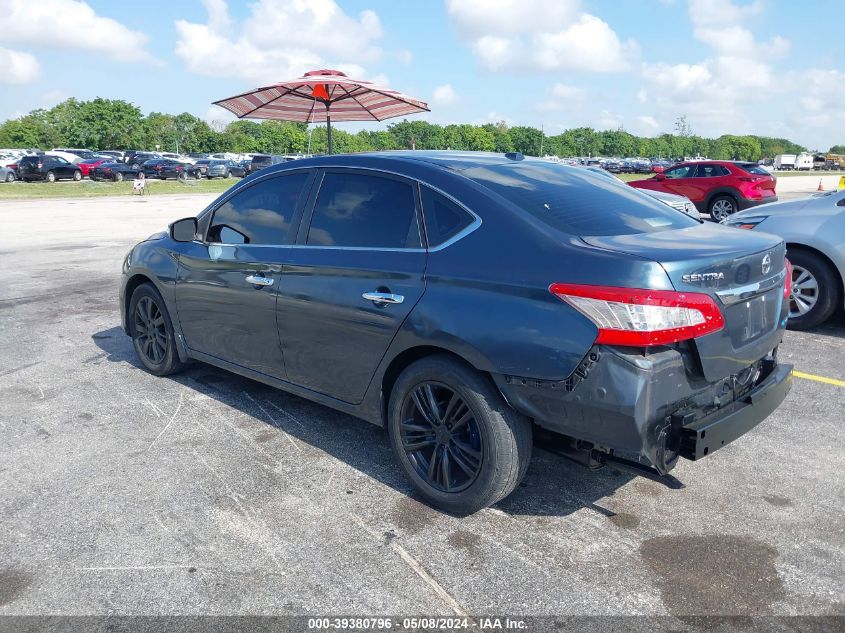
(329, 125)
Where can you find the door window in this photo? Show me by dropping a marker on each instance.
(260, 214)
(682, 171)
(443, 218)
(710, 171)
(362, 210)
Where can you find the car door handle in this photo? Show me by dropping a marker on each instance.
(258, 280)
(383, 297)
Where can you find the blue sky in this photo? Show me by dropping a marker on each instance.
(771, 67)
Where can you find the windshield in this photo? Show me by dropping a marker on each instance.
(577, 202)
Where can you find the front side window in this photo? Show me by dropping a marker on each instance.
(363, 210)
(683, 171)
(260, 214)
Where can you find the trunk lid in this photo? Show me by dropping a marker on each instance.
(742, 270)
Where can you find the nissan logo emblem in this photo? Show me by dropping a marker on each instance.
(767, 264)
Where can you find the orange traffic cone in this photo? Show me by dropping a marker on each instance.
(820, 185)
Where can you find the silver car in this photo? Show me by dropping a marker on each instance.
(7, 175)
(814, 231)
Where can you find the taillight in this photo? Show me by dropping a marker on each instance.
(640, 317)
(40, 165)
(787, 283)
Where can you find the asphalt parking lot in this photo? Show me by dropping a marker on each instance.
(206, 493)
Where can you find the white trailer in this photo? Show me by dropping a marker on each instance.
(784, 162)
(804, 160)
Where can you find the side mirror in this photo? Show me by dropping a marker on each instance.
(184, 230)
(660, 176)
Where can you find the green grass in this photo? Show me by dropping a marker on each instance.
(91, 189)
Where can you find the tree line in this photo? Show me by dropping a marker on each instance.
(115, 124)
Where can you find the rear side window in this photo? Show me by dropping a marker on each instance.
(443, 218)
(363, 210)
(260, 214)
(751, 168)
(710, 171)
(577, 202)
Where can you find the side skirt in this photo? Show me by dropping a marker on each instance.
(354, 410)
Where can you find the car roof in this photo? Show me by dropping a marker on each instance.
(451, 160)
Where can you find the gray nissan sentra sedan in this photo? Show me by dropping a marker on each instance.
(463, 300)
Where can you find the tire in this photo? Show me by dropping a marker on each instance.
(118, 176)
(77, 176)
(486, 453)
(227, 175)
(721, 207)
(815, 290)
(147, 312)
(10, 177)
(51, 177)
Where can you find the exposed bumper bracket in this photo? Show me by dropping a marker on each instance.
(636, 468)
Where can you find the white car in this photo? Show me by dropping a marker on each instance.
(814, 231)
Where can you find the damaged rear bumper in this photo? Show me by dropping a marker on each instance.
(653, 407)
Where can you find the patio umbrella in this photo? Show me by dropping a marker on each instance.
(323, 95)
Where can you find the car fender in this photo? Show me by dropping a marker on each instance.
(157, 260)
(722, 191)
(824, 234)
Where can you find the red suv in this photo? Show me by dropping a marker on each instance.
(720, 187)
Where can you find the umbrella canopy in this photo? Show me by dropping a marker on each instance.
(323, 95)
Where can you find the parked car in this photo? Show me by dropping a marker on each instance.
(679, 203)
(224, 169)
(260, 161)
(87, 165)
(200, 168)
(114, 171)
(137, 159)
(47, 167)
(82, 154)
(69, 157)
(719, 188)
(164, 168)
(610, 319)
(814, 231)
(115, 154)
(7, 174)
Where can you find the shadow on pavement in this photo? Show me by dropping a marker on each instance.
(554, 486)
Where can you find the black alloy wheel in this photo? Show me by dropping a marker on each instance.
(151, 332)
(440, 437)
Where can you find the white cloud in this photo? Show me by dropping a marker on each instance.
(70, 24)
(17, 67)
(563, 96)
(444, 95)
(540, 35)
(646, 126)
(280, 39)
(218, 118)
(718, 93)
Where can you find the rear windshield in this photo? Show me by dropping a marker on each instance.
(751, 168)
(577, 202)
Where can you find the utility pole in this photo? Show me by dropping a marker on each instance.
(542, 138)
